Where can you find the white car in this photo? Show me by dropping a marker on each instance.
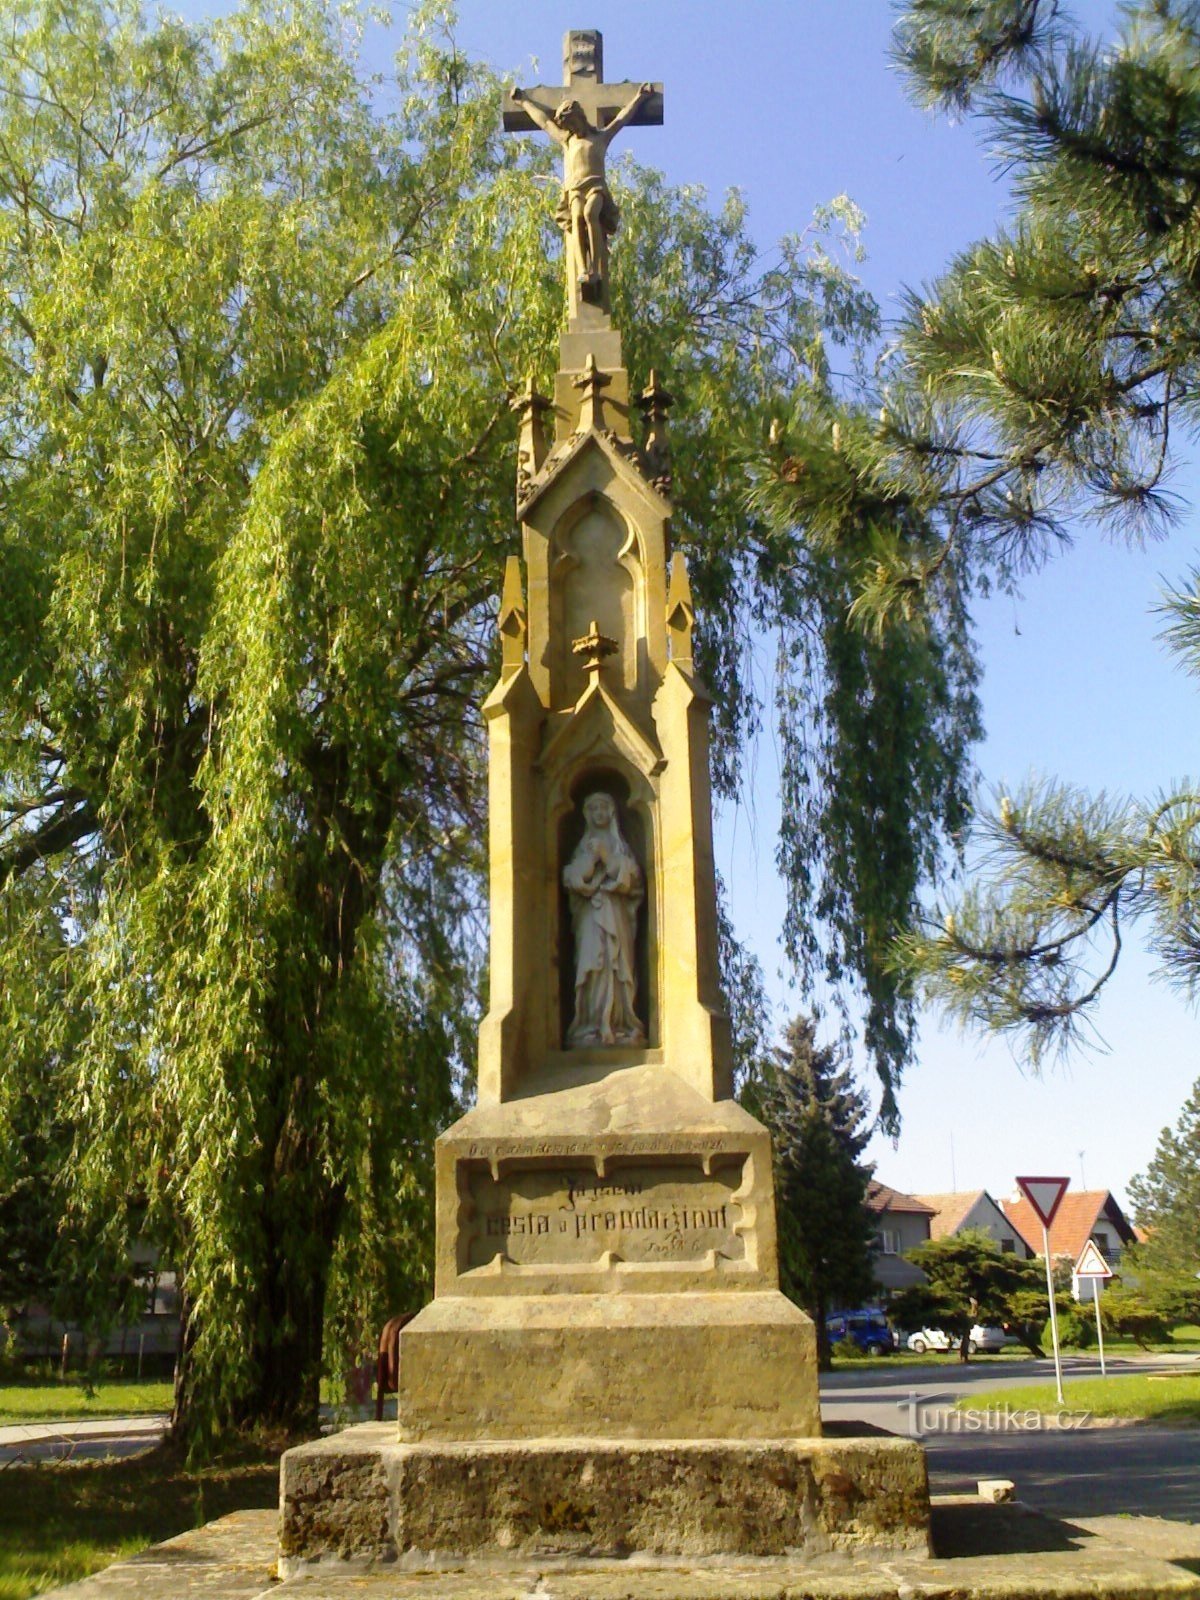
(929, 1339)
(988, 1339)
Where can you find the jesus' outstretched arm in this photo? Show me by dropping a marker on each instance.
(536, 115)
(623, 116)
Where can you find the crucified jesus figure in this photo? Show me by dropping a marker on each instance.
(587, 212)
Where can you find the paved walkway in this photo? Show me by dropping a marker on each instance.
(984, 1553)
(83, 1428)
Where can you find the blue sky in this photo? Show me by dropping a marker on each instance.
(793, 104)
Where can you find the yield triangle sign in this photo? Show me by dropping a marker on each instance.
(1044, 1195)
(1091, 1263)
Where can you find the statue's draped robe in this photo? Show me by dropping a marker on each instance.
(604, 920)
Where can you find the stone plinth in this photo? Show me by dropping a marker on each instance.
(664, 1366)
(362, 1496)
(606, 1268)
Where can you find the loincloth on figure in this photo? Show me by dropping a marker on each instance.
(610, 216)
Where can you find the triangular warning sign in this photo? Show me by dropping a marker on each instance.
(1091, 1263)
(1044, 1195)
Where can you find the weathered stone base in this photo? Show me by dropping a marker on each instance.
(994, 1552)
(637, 1367)
(363, 1496)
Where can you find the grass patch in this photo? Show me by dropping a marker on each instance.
(1166, 1397)
(1184, 1340)
(931, 1358)
(58, 1399)
(60, 1521)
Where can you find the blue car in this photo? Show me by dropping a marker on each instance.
(868, 1329)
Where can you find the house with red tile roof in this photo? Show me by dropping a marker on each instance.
(1082, 1215)
(973, 1209)
(903, 1221)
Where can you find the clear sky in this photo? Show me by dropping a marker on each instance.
(793, 102)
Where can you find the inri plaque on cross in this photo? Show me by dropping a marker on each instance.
(584, 115)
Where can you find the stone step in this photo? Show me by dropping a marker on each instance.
(1003, 1552)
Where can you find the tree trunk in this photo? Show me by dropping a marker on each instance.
(298, 1205)
(824, 1349)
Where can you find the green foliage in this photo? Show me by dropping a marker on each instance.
(1126, 1308)
(260, 327)
(875, 790)
(1163, 1269)
(969, 1280)
(60, 1523)
(847, 1350)
(819, 1128)
(1040, 383)
(1077, 1326)
(951, 49)
(746, 1001)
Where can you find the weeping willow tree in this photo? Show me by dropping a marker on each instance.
(261, 323)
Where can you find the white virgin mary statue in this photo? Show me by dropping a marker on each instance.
(604, 883)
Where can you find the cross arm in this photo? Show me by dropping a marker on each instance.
(600, 101)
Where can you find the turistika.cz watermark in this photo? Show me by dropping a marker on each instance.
(924, 1416)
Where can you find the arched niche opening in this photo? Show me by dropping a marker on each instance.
(632, 822)
(596, 578)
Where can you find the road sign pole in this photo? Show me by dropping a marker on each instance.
(1099, 1326)
(1053, 1315)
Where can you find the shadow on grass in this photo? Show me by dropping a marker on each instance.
(60, 1521)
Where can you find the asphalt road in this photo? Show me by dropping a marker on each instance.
(1074, 1471)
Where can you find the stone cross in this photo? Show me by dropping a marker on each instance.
(583, 115)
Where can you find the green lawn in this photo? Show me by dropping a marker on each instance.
(61, 1521)
(1160, 1397)
(910, 1358)
(52, 1401)
(1184, 1340)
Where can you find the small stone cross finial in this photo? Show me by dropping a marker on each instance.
(532, 443)
(591, 384)
(655, 403)
(594, 647)
(584, 115)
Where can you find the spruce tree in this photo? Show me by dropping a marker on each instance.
(1166, 1202)
(820, 1126)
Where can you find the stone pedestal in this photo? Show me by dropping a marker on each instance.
(606, 1268)
(608, 1366)
(363, 1497)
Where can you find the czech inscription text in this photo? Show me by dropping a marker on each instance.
(651, 1210)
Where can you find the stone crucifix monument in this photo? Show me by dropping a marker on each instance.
(608, 1366)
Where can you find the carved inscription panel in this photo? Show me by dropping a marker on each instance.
(652, 1210)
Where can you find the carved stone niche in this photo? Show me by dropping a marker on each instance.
(596, 576)
(636, 828)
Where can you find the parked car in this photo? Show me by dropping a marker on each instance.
(869, 1330)
(984, 1338)
(989, 1339)
(929, 1339)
